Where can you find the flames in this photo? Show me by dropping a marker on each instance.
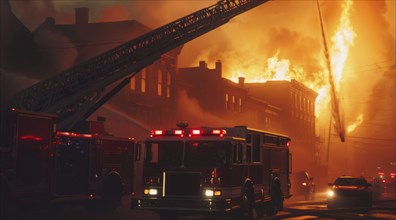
(278, 68)
(353, 126)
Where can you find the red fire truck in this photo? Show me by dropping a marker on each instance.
(226, 171)
(42, 166)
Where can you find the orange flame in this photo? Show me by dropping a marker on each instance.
(354, 125)
(282, 68)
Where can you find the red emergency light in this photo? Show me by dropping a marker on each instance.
(219, 132)
(196, 132)
(30, 137)
(178, 132)
(156, 132)
(70, 134)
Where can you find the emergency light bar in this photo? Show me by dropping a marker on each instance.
(70, 134)
(189, 132)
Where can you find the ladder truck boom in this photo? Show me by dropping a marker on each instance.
(78, 91)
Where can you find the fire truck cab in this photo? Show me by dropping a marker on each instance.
(225, 171)
(42, 166)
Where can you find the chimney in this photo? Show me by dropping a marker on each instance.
(202, 64)
(81, 16)
(218, 67)
(241, 81)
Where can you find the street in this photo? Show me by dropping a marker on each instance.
(294, 209)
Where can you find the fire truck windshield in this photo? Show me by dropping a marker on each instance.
(198, 153)
(164, 153)
(207, 153)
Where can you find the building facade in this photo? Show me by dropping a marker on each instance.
(229, 103)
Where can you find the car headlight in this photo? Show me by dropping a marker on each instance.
(330, 193)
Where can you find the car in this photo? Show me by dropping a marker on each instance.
(303, 184)
(349, 191)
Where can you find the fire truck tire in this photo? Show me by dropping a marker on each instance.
(112, 193)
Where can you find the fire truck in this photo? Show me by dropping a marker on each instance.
(226, 171)
(67, 99)
(40, 165)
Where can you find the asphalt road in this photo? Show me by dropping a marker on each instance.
(294, 209)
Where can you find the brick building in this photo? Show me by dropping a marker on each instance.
(231, 103)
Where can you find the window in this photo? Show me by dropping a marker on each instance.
(207, 153)
(248, 138)
(167, 153)
(133, 83)
(233, 103)
(237, 153)
(227, 101)
(159, 85)
(143, 81)
(168, 84)
(248, 153)
(256, 147)
(240, 105)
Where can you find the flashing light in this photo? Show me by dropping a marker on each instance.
(221, 133)
(288, 144)
(158, 132)
(179, 132)
(188, 132)
(196, 132)
(304, 184)
(330, 193)
(74, 134)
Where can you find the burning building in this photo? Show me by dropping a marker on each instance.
(230, 102)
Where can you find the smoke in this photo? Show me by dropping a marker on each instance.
(33, 13)
(189, 110)
(151, 13)
(12, 83)
(57, 52)
(113, 13)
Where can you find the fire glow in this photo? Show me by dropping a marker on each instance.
(278, 68)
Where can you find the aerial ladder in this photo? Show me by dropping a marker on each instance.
(74, 94)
